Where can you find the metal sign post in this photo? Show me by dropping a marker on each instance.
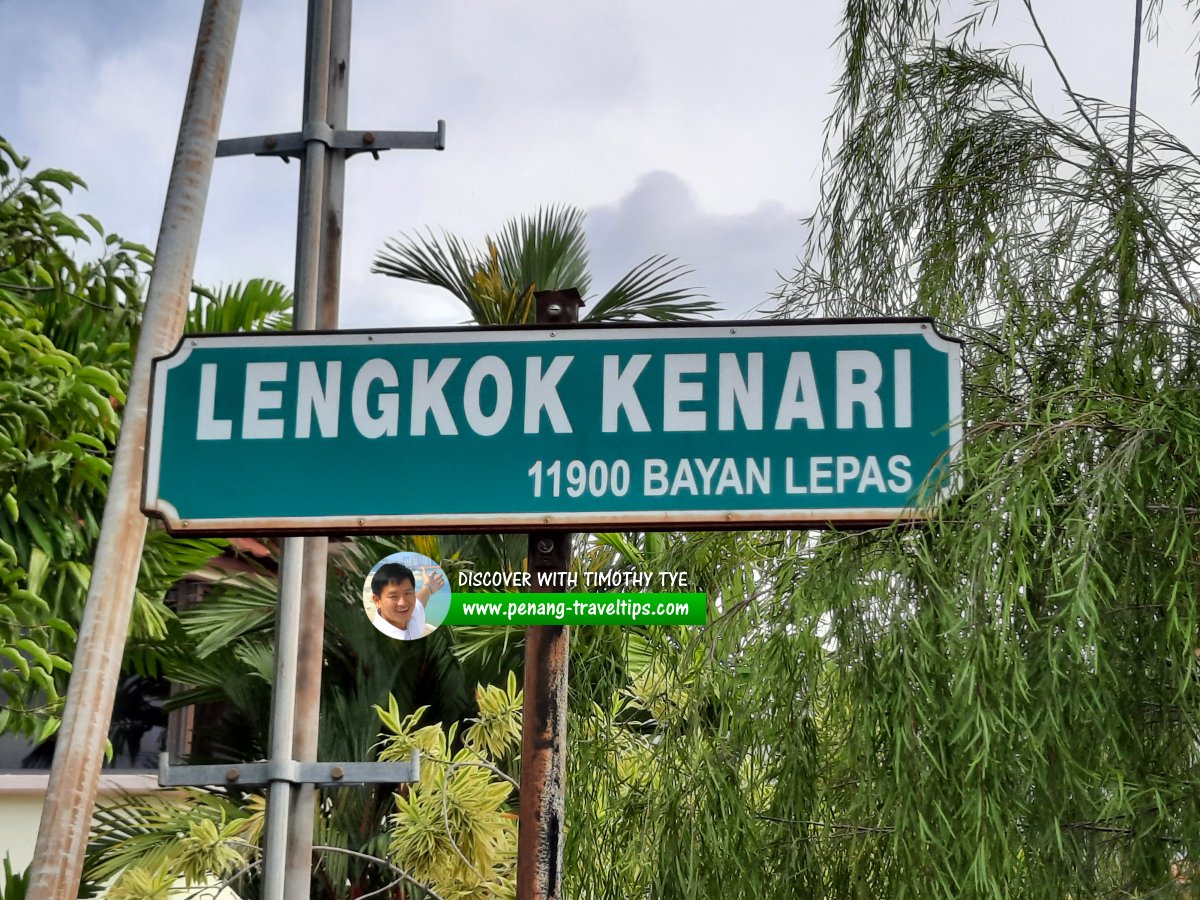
(322, 145)
(542, 810)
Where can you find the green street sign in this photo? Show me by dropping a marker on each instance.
(728, 425)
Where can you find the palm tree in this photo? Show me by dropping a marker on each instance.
(496, 284)
(545, 251)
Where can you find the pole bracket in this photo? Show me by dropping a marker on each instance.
(289, 145)
(317, 131)
(325, 774)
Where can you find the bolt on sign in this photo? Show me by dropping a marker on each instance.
(715, 425)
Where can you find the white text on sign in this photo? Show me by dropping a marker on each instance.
(312, 393)
(723, 476)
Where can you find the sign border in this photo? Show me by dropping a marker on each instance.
(155, 506)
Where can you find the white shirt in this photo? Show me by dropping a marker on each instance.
(415, 629)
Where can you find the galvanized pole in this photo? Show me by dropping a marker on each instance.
(79, 752)
(283, 866)
(316, 549)
(287, 638)
(544, 726)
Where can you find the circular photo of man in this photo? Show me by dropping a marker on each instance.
(406, 595)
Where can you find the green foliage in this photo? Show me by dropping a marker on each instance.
(1012, 688)
(497, 728)
(146, 843)
(66, 331)
(143, 884)
(224, 650)
(16, 884)
(682, 769)
(257, 305)
(68, 326)
(455, 829)
(546, 251)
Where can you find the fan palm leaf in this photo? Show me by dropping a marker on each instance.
(544, 251)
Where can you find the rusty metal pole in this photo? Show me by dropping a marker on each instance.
(329, 299)
(311, 652)
(544, 726)
(79, 752)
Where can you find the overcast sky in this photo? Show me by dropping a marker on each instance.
(686, 127)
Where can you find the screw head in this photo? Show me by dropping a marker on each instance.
(337, 773)
(232, 774)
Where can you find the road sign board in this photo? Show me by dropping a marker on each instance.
(716, 425)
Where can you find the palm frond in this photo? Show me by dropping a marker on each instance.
(166, 559)
(546, 251)
(256, 305)
(647, 291)
(543, 251)
(447, 263)
(230, 614)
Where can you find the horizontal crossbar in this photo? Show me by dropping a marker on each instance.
(289, 770)
(351, 142)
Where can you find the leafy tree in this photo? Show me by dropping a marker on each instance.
(1001, 702)
(1016, 683)
(70, 309)
(67, 326)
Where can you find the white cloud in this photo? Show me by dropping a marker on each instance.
(545, 103)
(736, 258)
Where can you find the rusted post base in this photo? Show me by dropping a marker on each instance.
(547, 659)
(544, 737)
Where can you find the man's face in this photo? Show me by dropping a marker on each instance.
(396, 602)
